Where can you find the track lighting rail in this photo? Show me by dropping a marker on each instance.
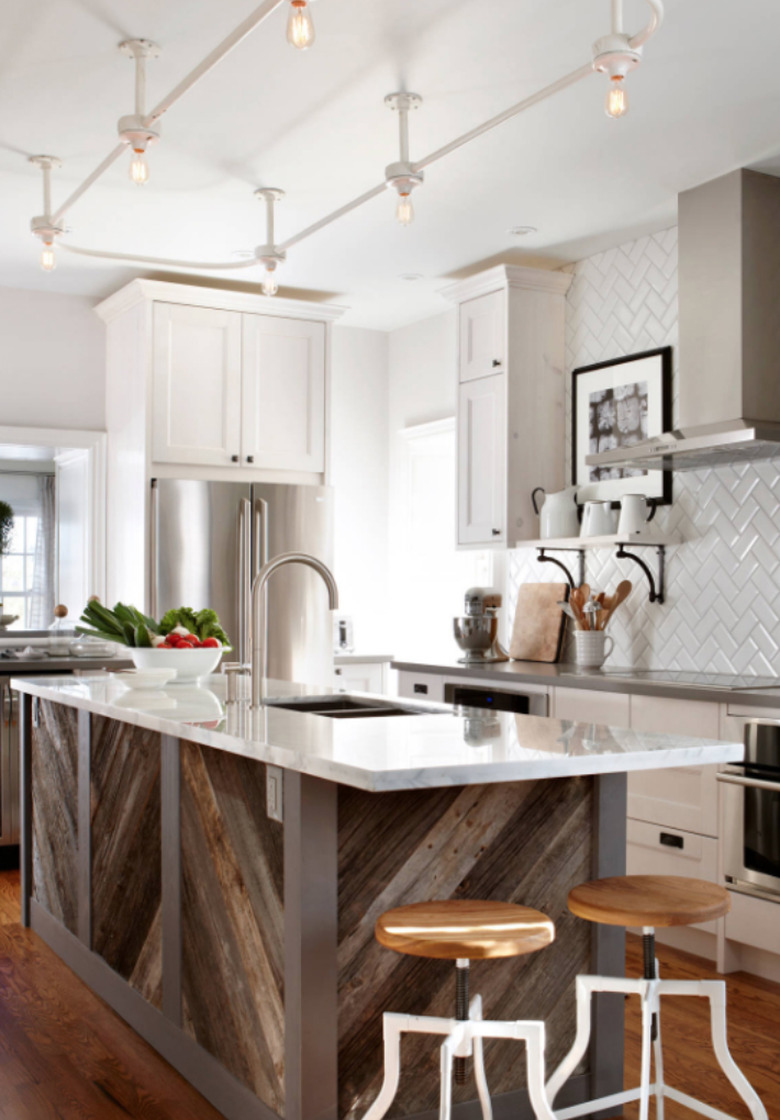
(260, 14)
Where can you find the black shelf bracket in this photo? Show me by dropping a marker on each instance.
(541, 554)
(656, 591)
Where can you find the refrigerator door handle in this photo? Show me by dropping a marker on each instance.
(261, 534)
(244, 578)
(154, 514)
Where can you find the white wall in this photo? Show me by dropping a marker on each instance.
(359, 462)
(53, 361)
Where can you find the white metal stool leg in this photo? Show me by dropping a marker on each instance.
(645, 1086)
(483, 1092)
(580, 1046)
(658, 1056)
(448, 1048)
(717, 997)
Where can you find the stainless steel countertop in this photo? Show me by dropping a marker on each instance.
(717, 688)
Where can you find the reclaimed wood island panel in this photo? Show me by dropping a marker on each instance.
(241, 946)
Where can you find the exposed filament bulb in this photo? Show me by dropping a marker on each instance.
(48, 257)
(139, 168)
(404, 211)
(617, 98)
(270, 284)
(300, 26)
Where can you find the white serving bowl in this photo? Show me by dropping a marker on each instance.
(190, 664)
(147, 679)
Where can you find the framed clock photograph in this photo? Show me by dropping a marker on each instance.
(618, 404)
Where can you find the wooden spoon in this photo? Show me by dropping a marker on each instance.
(621, 594)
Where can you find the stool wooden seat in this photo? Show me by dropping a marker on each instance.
(464, 929)
(649, 900)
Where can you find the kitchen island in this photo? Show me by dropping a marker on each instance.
(215, 874)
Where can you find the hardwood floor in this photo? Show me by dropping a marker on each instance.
(64, 1055)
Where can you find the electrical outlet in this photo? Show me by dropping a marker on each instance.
(274, 793)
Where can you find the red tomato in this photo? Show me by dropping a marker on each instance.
(210, 643)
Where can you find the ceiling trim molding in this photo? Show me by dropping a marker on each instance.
(508, 276)
(194, 295)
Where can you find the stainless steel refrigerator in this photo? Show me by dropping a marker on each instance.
(209, 539)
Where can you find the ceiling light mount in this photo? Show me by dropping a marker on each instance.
(135, 129)
(44, 226)
(403, 176)
(268, 255)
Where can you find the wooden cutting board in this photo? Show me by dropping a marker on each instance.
(537, 634)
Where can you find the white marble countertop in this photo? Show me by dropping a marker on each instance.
(440, 746)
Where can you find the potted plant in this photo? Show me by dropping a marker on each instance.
(6, 526)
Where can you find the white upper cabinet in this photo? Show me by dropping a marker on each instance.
(482, 336)
(283, 409)
(511, 400)
(196, 410)
(482, 460)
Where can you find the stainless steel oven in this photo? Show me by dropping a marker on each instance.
(750, 808)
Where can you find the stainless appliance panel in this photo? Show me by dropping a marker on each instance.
(300, 634)
(751, 813)
(9, 765)
(198, 554)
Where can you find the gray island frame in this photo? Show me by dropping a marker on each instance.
(241, 946)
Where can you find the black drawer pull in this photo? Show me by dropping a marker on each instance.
(421, 689)
(669, 840)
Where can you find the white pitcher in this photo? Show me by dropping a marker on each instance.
(635, 512)
(557, 513)
(598, 520)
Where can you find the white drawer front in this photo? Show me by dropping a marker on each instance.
(611, 708)
(651, 850)
(684, 798)
(753, 921)
(421, 686)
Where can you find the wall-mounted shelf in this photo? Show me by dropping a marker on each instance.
(621, 543)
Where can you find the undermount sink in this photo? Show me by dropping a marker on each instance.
(344, 706)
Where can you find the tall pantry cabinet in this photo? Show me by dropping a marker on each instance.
(206, 384)
(511, 400)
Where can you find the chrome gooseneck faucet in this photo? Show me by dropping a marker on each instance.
(259, 645)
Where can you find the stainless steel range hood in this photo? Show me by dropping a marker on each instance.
(729, 294)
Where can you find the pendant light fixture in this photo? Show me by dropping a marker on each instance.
(403, 175)
(615, 56)
(268, 255)
(300, 25)
(44, 226)
(133, 129)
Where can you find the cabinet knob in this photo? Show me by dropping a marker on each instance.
(234, 458)
(250, 458)
(497, 362)
(496, 532)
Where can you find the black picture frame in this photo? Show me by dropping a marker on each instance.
(658, 374)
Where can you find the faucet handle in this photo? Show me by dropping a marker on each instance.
(233, 670)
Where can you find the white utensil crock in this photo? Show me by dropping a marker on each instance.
(598, 520)
(635, 512)
(591, 648)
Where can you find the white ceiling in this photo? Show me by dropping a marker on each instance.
(706, 100)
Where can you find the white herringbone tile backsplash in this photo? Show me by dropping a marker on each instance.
(722, 609)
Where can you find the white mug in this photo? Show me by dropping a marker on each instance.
(590, 650)
(598, 519)
(635, 512)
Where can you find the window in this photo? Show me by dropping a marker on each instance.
(16, 571)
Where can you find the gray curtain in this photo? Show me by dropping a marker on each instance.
(42, 612)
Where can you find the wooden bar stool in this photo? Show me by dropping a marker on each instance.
(463, 931)
(652, 902)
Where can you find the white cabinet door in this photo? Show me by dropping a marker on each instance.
(483, 336)
(482, 461)
(686, 797)
(362, 676)
(283, 413)
(197, 385)
(421, 686)
(611, 708)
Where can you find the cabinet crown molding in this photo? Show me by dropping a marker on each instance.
(161, 291)
(509, 276)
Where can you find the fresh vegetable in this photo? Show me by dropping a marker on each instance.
(181, 628)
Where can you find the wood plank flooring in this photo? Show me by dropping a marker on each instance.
(64, 1055)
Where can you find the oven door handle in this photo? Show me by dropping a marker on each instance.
(751, 783)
